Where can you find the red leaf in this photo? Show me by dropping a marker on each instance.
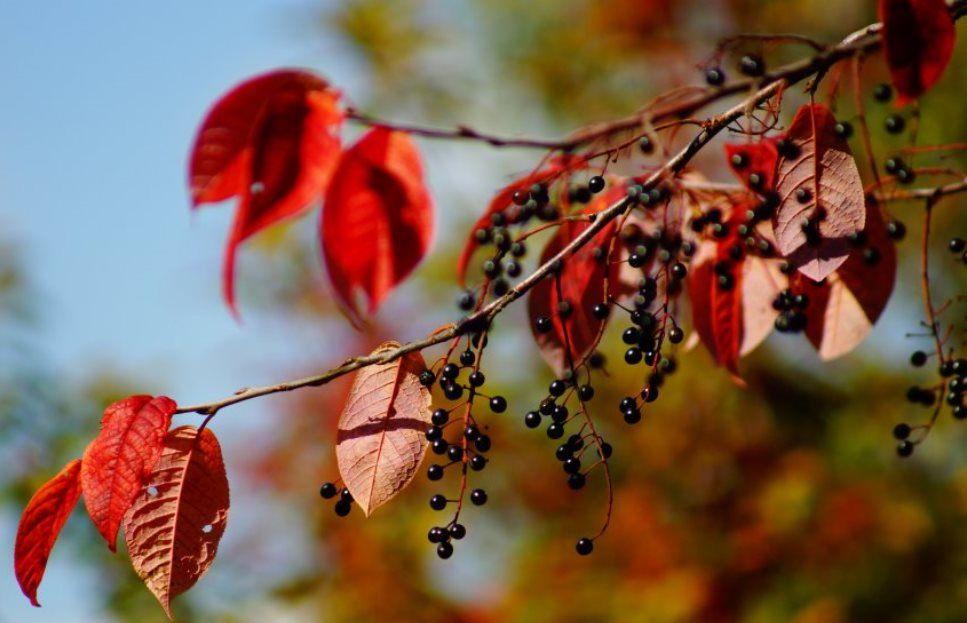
(381, 438)
(581, 285)
(40, 525)
(120, 458)
(503, 202)
(918, 40)
(378, 219)
(273, 141)
(844, 308)
(822, 185)
(759, 158)
(732, 321)
(173, 528)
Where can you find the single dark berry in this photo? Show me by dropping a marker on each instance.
(739, 161)
(471, 432)
(346, 495)
(563, 452)
(596, 184)
(678, 271)
(556, 388)
(646, 145)
(555, 430)
(584, 546)
(478, 462)
(882, 92)
(543, 324)
(467, 358)
(457, 531)
(436, 535)
(632, 416)
(843, 129)
(482, 443)
(633, 355)
(453, 391)
(491, 269)
(433, 433)
(427, 378)
(482, 236)
(626, 403)
(513, 269)
(572, 465)
(606, 450)
(440, 417)
(918, 358)
(901, 431)
(498, 404)
(455, 453)
(585, 393)
(440, 446)
(532, 419)
(631, 335)
(342, 507)
(956, 245)
(714, 77)
(756, 180)
(444, 550)
(904, 448)
(520, 197)
(565, 309)
(476, 378)
(518, 249)
(871, 256)
(434, 472)
(946, 368)
(906, 176)
(752, 65)
(959, 412)
(959, 366)
(478, 497)
(787, 149)
(438, 502)
(576, 481)
(328, 490)
(601, 311)
(894, 124)
(559, 413)
(892, 165)
(450, 371)
(896, 230)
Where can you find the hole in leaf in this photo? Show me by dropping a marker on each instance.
(207, 528)
(256, 188)
(153, 491)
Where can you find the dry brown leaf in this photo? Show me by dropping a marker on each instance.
(831, 193)
(173, 528)
(381, 439)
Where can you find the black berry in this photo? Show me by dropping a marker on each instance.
(328, 491)
(478, 497)
(584, 546)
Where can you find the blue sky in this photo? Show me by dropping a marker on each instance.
(100, 101)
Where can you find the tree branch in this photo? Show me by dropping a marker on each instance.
(861, 41)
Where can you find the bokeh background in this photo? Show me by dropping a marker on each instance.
(783, 502)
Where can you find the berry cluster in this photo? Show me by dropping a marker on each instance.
(791, 308)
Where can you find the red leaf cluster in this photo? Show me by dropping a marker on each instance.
(168, 489)
(918, 41)
(274, 142)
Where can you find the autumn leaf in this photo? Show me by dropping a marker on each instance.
(377, 221)
(120, 458)
(918, 41)
(273, 141)
(40, 525)
(381, 438)
(843, 309)
(821, 196)
(731, 296)
(580, 284)
(173, 528)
